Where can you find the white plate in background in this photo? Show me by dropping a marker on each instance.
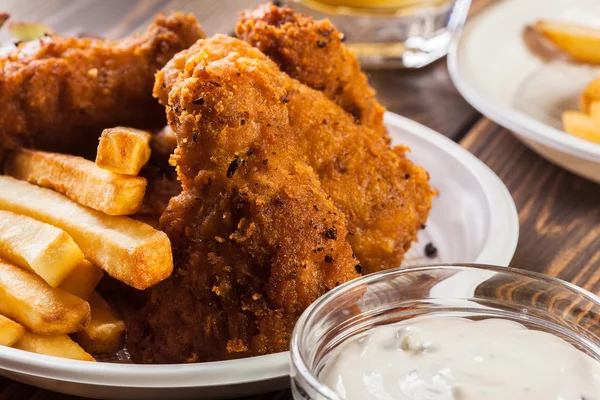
(496, 73)
(473, 219)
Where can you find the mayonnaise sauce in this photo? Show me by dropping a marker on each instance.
(449, 358)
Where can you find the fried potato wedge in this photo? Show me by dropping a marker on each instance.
(80, 180)
(595, 111)
(123, 150)
(82, 281)
(10, 331)
(590, 95)
(57, 345)
(27, 299)
(38, 247)
(580, 42)
(128, 250)
(582, 126)
(106, 331)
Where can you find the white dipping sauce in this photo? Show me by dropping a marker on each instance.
(448, 358)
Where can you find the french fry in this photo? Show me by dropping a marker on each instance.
(38, 247)
(10, 331)
(106, 331)
(27, 299)
(582, 43)
(582, 126)
(80, 180)
(123, 150)
(590, 95)
(595, 111)
(127, 250)
(57, 345)
(82, 281)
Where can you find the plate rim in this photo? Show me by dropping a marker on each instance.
(504, 228)
(516, 121)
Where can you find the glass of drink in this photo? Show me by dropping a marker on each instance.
(392, 33)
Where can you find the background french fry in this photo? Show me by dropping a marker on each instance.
(106, 331)
(128, 250)
(10, 331)
(27, 299)
(582, 43)
(582, 126)
(590, 95)
(82, 281)
(123, 150)
(164, 142)
(595, 111)
(80, 180)
(38, 247)
(55, 345)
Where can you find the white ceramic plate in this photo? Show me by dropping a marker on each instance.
(492, 68)
(473, 220)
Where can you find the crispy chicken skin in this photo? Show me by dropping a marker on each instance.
(280, 188)
(255, 237)
(385, 197)
(313, 52)
(58, 93)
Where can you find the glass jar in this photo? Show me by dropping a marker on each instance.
(392, 33)
(470, 291)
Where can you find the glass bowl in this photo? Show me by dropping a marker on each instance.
(470, 291)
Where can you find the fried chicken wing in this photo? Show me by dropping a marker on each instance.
(58, 93)
(280, 189)
(255, 237)
(385, 197)
(313, 52)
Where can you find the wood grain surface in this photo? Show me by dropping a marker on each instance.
(559, 212)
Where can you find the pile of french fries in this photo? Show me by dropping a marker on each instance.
(64, 223)
(583, 45)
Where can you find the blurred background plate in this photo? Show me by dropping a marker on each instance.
(473, 220)
(495, 72)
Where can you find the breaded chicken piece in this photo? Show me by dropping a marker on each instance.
(255, 237)
(313, 52)
(58, 93)
(385, 197)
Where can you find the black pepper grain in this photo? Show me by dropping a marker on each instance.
(330, 233)
(359, 268)
(235, 164)
(430, 250)
(321, 44)
(328, 258)
(199, 101)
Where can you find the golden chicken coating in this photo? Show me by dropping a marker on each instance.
(384, 196)
(280, 186)
(313, 52)
(58, 93)
(255, 237)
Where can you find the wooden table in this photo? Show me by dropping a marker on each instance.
(558, 211)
